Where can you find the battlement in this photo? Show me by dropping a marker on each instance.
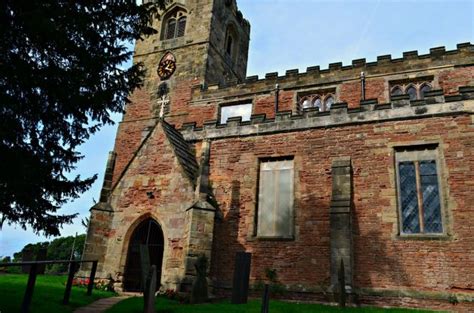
(435, 103)
(437, 57)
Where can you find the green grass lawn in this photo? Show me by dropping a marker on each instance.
(135, 305)
(47, 296)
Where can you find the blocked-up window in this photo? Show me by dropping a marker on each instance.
(228, 111)
(275, 199)
(419, 193)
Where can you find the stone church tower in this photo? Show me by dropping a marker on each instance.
(155, 189)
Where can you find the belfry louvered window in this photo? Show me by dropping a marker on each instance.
(419, 195)
(275, 199)
(175, 25)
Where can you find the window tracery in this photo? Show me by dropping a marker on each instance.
(175, 24)
(416, 91)
(321, 101)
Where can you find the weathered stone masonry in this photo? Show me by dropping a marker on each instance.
(199, 178)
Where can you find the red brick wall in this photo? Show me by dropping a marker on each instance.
(381, 259)
(450, 80)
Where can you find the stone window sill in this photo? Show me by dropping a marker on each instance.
(440, 237)
(270, 238)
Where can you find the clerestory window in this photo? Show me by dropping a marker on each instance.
(419, 192)
(415, 90)
(243, 110)
(321, 101)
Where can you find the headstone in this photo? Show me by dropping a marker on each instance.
(150, 290)
(41, 256)
(144, 264)
(265, 299)
(342, 286)
(199, 292)
(240, 288)
(27, 255)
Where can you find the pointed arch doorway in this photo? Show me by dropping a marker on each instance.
(147, 233)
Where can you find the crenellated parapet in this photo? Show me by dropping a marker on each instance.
(435, 103)
(411, 61)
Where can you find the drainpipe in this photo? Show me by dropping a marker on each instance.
(362, 83)
(277, 96)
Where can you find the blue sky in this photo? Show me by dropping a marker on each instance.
(288, 34)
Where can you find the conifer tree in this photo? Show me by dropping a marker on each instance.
(60, 79)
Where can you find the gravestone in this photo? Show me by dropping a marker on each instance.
(27, 255)
(342, 285)
(265, 299)
(199, 292)
(144, 264)
(41, 256)
(240, 288)
(150, 290)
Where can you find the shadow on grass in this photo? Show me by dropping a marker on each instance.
(135, 305)
(47, 296)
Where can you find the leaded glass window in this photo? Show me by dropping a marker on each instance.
(181, 26)
(419, 192)
(275, 199)
(171, 29)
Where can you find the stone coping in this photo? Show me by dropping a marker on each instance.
(401, 108)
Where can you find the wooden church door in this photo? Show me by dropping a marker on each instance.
(147, 233)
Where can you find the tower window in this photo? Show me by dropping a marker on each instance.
(181, 26)
(231, 42)
(175, 24)
(229, 45)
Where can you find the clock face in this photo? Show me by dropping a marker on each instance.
(167, 66)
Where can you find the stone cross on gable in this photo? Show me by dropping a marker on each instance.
(162, 102)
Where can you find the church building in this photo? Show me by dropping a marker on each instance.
(371, 164)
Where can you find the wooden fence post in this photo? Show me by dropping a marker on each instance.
(90, 286)
(67, 292)
(25, 307)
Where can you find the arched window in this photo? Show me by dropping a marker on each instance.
(175, 24)
(328, 103)
(414, 89)
(322, 100)
(231, 42)
(396, 91)
(229, 45)
(411, 91)
(318, 104)
(306, 103)
(424, 88)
